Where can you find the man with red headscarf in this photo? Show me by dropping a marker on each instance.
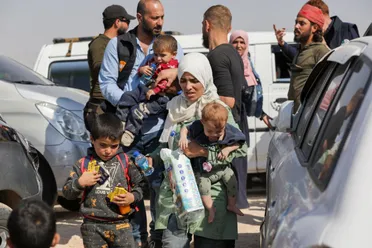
(308, 32)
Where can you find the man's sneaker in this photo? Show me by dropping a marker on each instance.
(127, 138)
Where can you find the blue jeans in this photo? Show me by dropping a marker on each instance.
(173, 237)
(145, 144)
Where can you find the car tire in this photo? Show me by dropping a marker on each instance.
(71, 205)
(4, 215)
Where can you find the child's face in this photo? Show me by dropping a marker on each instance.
(162, 57)
(105, 147)
(212, 131)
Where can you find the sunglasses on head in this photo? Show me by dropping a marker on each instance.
(124, 20)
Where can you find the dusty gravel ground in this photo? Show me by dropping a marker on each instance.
(68, 224)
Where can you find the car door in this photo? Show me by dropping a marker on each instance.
(291, 186)
(300, 198)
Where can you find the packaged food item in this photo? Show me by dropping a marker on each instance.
(119, 190)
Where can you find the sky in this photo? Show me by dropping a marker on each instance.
(27, 25)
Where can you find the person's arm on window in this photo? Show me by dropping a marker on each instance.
(108, 75)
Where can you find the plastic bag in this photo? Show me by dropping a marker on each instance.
(186, 196)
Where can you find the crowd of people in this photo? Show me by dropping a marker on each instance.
(143, 88)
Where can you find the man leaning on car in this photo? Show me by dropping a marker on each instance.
(308, 32)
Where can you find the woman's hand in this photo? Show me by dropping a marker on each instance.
(224, 153)
(89, 179)
(194, 150)
(123, 199)
(170, 75)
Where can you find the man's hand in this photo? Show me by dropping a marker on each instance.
(194, 150)
(170, 75)
(147, 70)
(149, 94)
(123, 199)
(279, 35)
(89, 179)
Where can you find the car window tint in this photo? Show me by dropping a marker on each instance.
(282, 68)
(340, 122)
(312, 99)
(321, 109)
(73, 74)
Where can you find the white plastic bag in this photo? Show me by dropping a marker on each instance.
(189, 206)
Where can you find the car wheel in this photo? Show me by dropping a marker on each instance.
(4, 215)
(71, 205)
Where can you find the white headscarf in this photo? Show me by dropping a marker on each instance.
(180, 109)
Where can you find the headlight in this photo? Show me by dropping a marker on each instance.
(67, 123)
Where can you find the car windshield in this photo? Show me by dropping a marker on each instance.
(15, 72)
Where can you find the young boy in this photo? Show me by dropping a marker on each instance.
(136, 105)
(32, 225)
(105, 225)
(212, 131)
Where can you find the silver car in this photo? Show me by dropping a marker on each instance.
(49, 116)
(319, 165)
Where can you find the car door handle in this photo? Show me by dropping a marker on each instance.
(280, 100)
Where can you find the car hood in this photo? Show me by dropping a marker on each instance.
(65, 97)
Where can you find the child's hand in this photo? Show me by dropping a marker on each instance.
(146, 70)
(89, 179)
(123, 199)
(223, 154)
(183, 143)
(149, 94)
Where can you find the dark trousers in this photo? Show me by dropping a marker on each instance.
(91, 110)
(147, 143)
(108, 235)
(201, 242)
(128, 108)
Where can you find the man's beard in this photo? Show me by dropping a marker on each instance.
(303, 38)
(205, 40)
(150, 31)
(121, 31)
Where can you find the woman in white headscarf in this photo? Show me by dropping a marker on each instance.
(196, 81)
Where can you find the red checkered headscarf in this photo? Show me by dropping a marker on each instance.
(313, 14)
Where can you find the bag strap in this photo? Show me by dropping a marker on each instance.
(123, 157)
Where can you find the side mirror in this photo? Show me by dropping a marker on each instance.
(283, 122)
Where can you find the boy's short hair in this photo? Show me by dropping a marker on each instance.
(219, 16)
(107, 125)
(216, 113)
(165, 43)
(32, 225)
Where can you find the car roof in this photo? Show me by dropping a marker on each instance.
(193, 41)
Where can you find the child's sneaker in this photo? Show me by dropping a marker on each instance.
(127, 138)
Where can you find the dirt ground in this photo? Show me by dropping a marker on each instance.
(68, 224)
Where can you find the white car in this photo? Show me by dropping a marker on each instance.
(49, 116)
(319, 164)
(65, 62)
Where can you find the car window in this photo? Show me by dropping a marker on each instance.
(312, 98)
(338, 125)
(73, 74)
(12, 71)
(321, 109)
(282, 68)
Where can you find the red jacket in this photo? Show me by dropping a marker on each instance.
(162, 85)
